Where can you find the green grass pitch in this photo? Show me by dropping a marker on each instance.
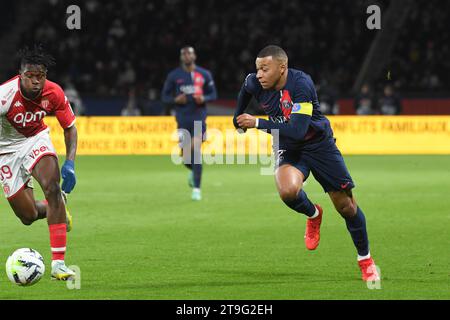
(137, 234)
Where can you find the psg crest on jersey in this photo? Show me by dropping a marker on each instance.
(286, 103)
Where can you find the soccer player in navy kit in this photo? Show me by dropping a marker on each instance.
(306, 144)
(190, 87)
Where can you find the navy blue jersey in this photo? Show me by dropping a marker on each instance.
(298, 97)
(198, 82)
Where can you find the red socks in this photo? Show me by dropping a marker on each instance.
(58, 240)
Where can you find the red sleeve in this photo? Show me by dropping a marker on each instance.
(63, 111)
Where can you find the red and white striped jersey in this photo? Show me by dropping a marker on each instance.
(21, 118)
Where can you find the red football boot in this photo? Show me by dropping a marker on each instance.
(369, 270)
(312, 232)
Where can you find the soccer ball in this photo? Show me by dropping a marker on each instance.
(25, 267)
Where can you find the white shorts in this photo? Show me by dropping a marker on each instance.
(16, 168)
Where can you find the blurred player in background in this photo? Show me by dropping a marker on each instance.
(306, 144)
(190, 87)
(27, 152)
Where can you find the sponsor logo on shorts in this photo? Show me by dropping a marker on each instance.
(345, 185)
(27, 117)
(36, 152)
(6, 189)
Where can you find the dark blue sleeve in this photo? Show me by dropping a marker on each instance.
(299, 122)
(167, 91)
(210, 92)
(251, 84)
(243, 100)
(249, 88)
(296, 128)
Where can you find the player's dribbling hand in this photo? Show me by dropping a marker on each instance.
(181, 99)
(246, 121)
(236, 125)
(68, 175)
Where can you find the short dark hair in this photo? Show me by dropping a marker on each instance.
(35, 56)
(275, 51)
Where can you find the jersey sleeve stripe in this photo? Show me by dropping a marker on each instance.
(71, 124)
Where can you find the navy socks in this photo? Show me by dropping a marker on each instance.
(302, 204)
(357, 228)
(195, 165)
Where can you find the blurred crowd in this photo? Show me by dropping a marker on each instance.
(8, 9)
(130, 46)
(368, 102)
(420, 61)
(136, 42)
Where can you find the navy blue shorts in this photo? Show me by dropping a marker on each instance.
(324, 160)
(188, 130)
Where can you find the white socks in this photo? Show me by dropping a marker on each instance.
(315, 215)
(363, 257)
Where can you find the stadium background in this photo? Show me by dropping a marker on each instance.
(122, 55)
(137, 43)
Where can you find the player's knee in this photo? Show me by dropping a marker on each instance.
(346, 209)
(289, 193)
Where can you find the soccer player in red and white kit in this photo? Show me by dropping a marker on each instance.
(27, 152)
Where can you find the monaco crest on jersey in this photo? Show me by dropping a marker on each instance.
(44, 104)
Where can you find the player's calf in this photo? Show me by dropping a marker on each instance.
(355, 221)
(25, 208)
(289, 181)
(298, 201)
(27, 216)
(52, 190)
(56, 212)
(27, 221)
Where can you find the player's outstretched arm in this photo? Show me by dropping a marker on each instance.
(296, 128)
(68, 168)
